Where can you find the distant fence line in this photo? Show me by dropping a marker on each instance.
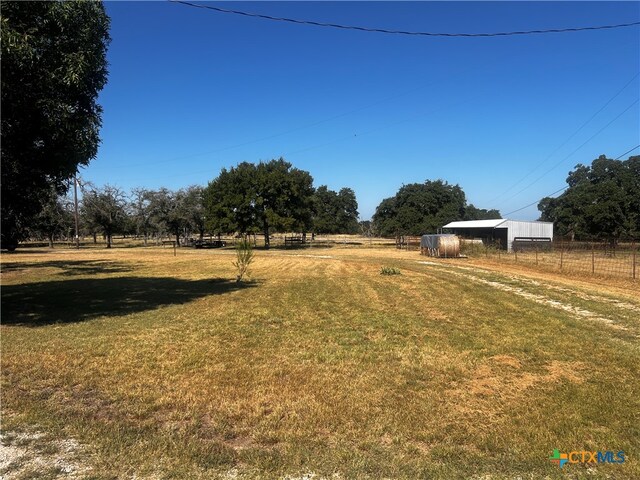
(407, 242)
(601, 258)
(276, 240)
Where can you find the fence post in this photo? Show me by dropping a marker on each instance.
(561, 253)
(633, 260)
(536, 255)
(593, 260)
(515, 251)
(174, 249)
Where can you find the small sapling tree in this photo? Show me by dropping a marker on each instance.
(244, 257)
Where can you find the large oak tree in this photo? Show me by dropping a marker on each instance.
(270, 196)
(420, 208)
(602, 201)
(53, 67)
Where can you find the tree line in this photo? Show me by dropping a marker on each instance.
(265, 198)
(602, 201)
(262, 198)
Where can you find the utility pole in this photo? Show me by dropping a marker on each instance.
(75, 202)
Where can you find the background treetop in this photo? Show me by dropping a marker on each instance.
(602, 201)
(420, 208)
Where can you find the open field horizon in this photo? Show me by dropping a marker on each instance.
(163, 367)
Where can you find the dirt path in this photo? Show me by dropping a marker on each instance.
(34, 455)
(518, 285)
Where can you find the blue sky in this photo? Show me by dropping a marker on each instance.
(191, 91)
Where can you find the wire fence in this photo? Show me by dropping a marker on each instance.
(604, 259)
(406, 242)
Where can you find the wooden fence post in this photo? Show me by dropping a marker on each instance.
(633, 260)
(561, 253)
(536, 255)
(593, 260)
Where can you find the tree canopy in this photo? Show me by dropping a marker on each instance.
(53, 67)
(268, 196)
(420, 208)
(104, 209)
(335, 212)
(602, 201)
(471, 212)
(55, 218)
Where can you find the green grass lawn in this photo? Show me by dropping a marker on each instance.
(164, 367)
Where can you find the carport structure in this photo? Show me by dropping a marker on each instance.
(503, 232)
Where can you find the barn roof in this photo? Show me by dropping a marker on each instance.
(476, 223)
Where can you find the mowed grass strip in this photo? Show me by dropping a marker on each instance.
(166, 367)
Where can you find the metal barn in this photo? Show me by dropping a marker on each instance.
(504, 231)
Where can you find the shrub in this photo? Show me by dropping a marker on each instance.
(244, 257)
(389, 271)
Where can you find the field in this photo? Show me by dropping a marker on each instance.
(133, 363)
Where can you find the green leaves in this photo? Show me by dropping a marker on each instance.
(53, 67)
(250, 198)
(420, 208)
(601, 203)
(335, 212)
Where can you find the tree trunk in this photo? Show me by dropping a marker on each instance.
(145, 239)
(50, 238)
(108, 240)
(266, 234)
(95, 238)
(177, 239)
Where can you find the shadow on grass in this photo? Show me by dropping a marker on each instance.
(283, 247)
(72, 267)
(76, 300)
(307, 246)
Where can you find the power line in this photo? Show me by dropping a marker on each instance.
(401, 32)
(573, 152)
(563, 188)
(628, 151)
(566, 141)
(537, 201)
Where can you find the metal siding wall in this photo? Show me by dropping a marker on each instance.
(528, 229)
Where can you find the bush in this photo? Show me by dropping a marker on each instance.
(244, 257)
(389, 271)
